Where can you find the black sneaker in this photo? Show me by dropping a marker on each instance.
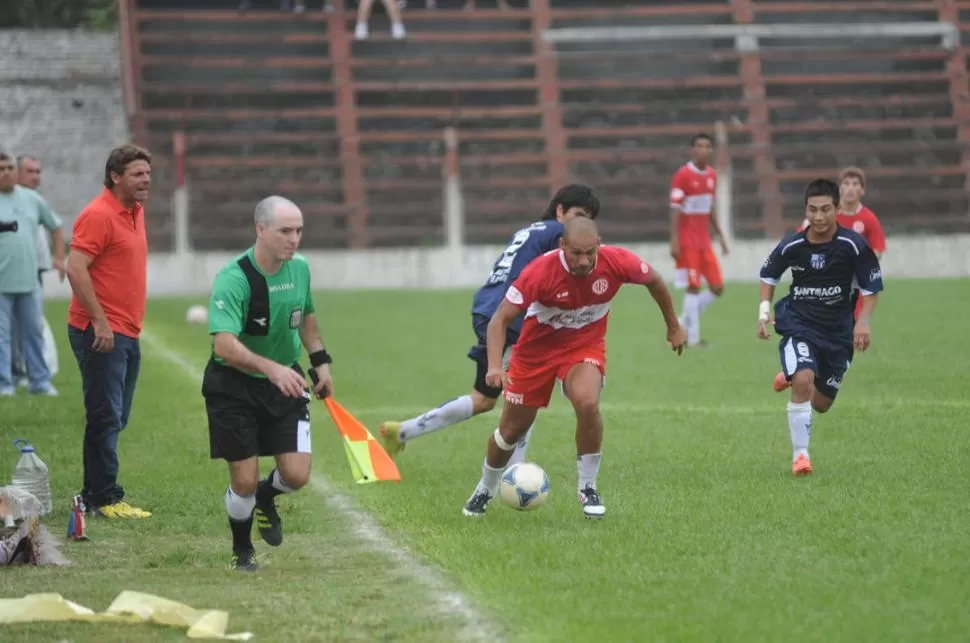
(244, 561)
(477, 505)
(593, 507)
(268, 521)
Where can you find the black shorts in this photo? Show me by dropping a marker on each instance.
(249, 416)
(829, 363)
(479, 354)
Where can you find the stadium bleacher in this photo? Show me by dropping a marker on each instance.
(354, 130)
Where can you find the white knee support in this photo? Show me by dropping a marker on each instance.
(500, 441)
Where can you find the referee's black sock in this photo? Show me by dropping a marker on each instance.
(271, 487)
(241, 534)
(240, 511)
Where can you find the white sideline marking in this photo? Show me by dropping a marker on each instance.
(368, 529)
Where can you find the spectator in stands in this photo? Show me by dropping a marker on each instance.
(28, 176)
(107, 268)
(363, 17)
(22, 211)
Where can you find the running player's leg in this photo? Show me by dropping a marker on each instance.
(287, 439)
(529, 390)
(799, 364)
(692, 310)
(583, 379)
(481, 399)
(711, 271)
(233, 429)
(832, 366)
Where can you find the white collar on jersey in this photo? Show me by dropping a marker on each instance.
(694, 168)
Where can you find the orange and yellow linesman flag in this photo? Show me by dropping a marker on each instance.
(368, 460)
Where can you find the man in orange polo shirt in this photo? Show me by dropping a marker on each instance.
(107, 269)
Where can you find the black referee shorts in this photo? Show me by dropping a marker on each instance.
(249, 416)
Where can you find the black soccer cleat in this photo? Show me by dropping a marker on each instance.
(268, 521)
(477, 505)
(244, 561)
(593, 507)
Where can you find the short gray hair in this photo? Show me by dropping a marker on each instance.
(266, 209)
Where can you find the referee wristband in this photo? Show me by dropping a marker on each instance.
(319, 358)
(764, 311)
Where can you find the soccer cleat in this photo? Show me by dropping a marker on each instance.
(269, 523)
(244, 561)
(477, 505)
(802, 466)
(121, 510)
(593, 507)
(780, 383)
(391, 437)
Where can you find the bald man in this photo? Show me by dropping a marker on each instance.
(566, 298)
(261, 317)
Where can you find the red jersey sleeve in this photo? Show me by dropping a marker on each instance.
(678, 190)
(874, 234)
(629, 268)
(526, 289)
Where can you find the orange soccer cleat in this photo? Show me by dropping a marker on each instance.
(802, 466)
(780, 383)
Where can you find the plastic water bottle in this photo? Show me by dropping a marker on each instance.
(32, 476)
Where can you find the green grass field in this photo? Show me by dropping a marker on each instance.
(707, 536)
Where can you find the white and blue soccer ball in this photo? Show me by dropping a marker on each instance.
(524, 486)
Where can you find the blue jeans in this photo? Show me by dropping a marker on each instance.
(21, 310)
(19, 366)
(108, 381)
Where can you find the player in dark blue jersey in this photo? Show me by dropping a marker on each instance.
(829, 264)
(528, 243)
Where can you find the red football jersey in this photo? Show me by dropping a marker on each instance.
(864, 222)
(566, 312)
(692, 192)
(867, 224)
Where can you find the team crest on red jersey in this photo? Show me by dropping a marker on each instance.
(859, 227)
(600, 286)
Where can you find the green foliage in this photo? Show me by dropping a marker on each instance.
(59, 14)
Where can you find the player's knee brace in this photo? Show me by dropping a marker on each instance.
(501, 443)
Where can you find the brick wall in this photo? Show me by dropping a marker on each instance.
(62, 103)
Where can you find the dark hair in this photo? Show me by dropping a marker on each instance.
(853, 172)
(120, 158)
(701, 137)
(822, 187)
(6, 157)
(573, 196)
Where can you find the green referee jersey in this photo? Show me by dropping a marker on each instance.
(278, 337)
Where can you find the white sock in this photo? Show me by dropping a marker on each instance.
(238, 507)
(449, 413)
(278, 483)
(704, 300)
(800, 426)
(692, 315)
(589, 468)
(490, 479)
(518, 456)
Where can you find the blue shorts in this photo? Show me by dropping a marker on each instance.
(479, 353)
(829, 363)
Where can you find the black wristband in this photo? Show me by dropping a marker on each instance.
(320, 357)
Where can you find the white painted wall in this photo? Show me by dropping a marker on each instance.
(169, 274)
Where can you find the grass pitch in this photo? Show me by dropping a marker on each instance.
(707, 535)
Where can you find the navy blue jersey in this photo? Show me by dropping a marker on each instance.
(525, 245)
(819, 304)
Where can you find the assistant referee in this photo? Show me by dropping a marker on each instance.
(261, 316)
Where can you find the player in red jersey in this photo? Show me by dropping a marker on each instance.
(566, 294)
(692, 215)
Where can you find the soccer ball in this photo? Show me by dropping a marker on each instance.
(524, 486)
(197, 315)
